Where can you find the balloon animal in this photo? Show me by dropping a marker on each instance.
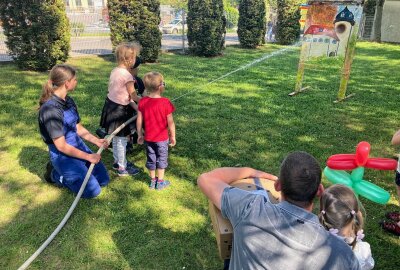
(336, 164)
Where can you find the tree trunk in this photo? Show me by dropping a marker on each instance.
(376, 33)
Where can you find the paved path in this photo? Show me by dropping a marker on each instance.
(96, 45)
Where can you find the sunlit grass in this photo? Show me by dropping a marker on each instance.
(246, 119)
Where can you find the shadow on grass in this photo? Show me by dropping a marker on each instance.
(145, 244)
(34, 159)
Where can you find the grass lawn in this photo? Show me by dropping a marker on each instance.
(245, 119)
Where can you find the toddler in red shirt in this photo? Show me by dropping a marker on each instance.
(155, 116)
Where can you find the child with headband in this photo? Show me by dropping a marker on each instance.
(340, 214)
(120, 105)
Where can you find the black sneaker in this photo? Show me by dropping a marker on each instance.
(128, 164)
(47, 175)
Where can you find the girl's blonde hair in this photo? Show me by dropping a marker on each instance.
(152, 81)
(59, 74)
(339, 207)
(126, 51)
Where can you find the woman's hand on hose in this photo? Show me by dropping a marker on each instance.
(102, 142)
(93, 158)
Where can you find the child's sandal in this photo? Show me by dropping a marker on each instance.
(391, 227)
(395, 216)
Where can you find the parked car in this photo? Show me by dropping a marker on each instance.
(173, 27)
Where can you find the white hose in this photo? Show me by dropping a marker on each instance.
(74, 204)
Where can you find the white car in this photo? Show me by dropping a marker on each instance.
(173, 27)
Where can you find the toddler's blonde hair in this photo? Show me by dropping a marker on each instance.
(152, 81)
(126, 51)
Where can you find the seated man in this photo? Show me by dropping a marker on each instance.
(286, 235)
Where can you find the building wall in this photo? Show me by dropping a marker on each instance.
(391, 21)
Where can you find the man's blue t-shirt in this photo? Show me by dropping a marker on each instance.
(280, 236)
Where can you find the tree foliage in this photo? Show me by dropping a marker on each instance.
(206, 27)
(136, 20)
(369, 7)
(252, 23)
(288, 26)
(37, 32)
(231, 13)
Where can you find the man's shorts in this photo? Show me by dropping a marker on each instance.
(157, 155)
(397, 179)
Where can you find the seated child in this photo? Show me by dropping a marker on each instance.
(138, 83)
(155, 115)
(139, 88)
(393, 226)
(341, 215)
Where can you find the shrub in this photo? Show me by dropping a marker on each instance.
(37, 32)
(288, 25)
(252, 23)
(206, 27)
(138, 21)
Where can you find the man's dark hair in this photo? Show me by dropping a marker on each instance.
(300, 177)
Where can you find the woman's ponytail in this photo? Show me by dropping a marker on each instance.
(46, 92)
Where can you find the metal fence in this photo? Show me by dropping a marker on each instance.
(367, 27)
(3, 48)
(90, 33)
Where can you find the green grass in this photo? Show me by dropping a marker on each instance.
(245, 119)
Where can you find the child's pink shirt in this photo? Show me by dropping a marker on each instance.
(117, 91)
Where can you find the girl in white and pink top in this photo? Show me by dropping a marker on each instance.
(120, 106)
(341, 215)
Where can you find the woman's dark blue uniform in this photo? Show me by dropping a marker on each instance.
(59, 118)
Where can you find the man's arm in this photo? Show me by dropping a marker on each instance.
(213, 183)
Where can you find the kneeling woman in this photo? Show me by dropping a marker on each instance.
(61, 130)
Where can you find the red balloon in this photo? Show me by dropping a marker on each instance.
(348, 164)
(362, 153)
(338, 157)
(381, 163)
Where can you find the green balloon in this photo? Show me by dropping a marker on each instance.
(371, 192)
(338, 177)
(357, 174)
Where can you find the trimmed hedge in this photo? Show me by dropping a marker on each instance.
(252, 23)
(136, 20)
(288, 25)
(38, 32)
(206, 27)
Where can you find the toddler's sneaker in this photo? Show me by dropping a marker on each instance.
(153, 183)
(161, 184)
(128, 171)
(128, 164)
